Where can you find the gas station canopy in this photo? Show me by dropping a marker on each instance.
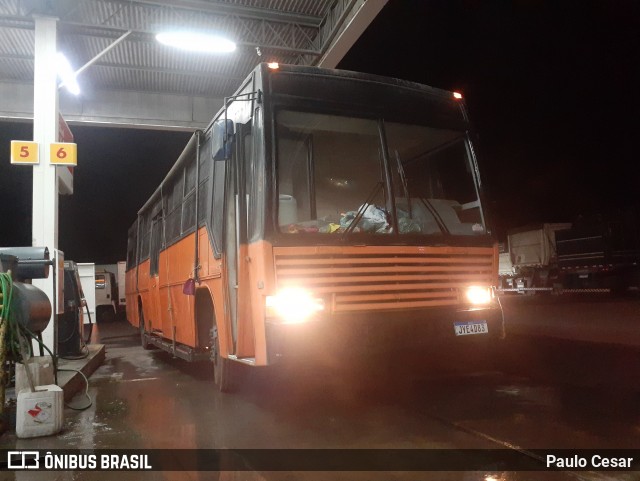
(133, 80)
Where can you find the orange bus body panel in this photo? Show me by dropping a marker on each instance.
(177, 310)
(261, 273)
(164, 304)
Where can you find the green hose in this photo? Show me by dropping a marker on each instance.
(6, 291)
(14, 331)
(12, 328)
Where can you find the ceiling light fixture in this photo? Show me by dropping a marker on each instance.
(196, 42)
(66, 74)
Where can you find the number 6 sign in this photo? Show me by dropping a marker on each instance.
(63, 153)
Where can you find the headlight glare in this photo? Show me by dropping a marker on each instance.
(477, 295)
(293, 305)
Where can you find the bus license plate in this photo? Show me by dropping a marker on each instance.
(470, 328)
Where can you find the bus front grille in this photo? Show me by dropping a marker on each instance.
(384, 278)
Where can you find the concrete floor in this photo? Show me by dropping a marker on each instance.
(533, 392)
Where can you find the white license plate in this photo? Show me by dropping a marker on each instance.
(471, 327)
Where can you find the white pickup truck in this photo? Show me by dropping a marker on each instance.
(106, 296)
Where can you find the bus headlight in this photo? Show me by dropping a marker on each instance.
(293, 305)
(479, 295)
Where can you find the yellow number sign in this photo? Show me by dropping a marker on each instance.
(63, 153)
(24, 152)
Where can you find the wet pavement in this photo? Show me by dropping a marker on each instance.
(530, 392)
(589, 317)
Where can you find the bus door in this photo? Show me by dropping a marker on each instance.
(236, 231)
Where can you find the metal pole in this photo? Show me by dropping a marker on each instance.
(196, 260)
(95, 59)
(45, 131)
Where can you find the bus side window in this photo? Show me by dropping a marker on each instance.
(217, 209)
(248, 178)
(132, 246)
(156, 244)
(145, 235)
(206, 165)
(174, 195)
(189, 197)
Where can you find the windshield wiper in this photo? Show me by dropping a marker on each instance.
(405, 186)
(361, 210)
(436, 215)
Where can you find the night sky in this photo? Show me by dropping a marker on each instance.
(551, 86)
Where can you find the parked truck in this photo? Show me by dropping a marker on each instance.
(592, 253)
(505, 266)
(109, 283)
(600, 253)
(122, 299)
(532, 256)
(106, 295)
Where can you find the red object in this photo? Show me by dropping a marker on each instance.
(34, 412)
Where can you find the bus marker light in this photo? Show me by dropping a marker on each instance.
(457, 95)
(273, 65)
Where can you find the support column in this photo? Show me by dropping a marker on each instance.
(44, 225)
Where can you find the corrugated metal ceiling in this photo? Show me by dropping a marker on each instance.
(286, 31)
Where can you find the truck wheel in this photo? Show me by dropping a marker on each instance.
(143, 339)
(222, 367)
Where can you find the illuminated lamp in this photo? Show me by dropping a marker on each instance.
(196, 42)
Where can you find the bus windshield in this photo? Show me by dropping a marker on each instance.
(334, 177)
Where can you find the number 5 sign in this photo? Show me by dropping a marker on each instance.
(63, 153)
(24, 152)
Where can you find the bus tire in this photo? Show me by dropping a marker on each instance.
(143, 339)
(206, 326)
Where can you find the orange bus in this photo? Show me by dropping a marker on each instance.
(316, 201)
